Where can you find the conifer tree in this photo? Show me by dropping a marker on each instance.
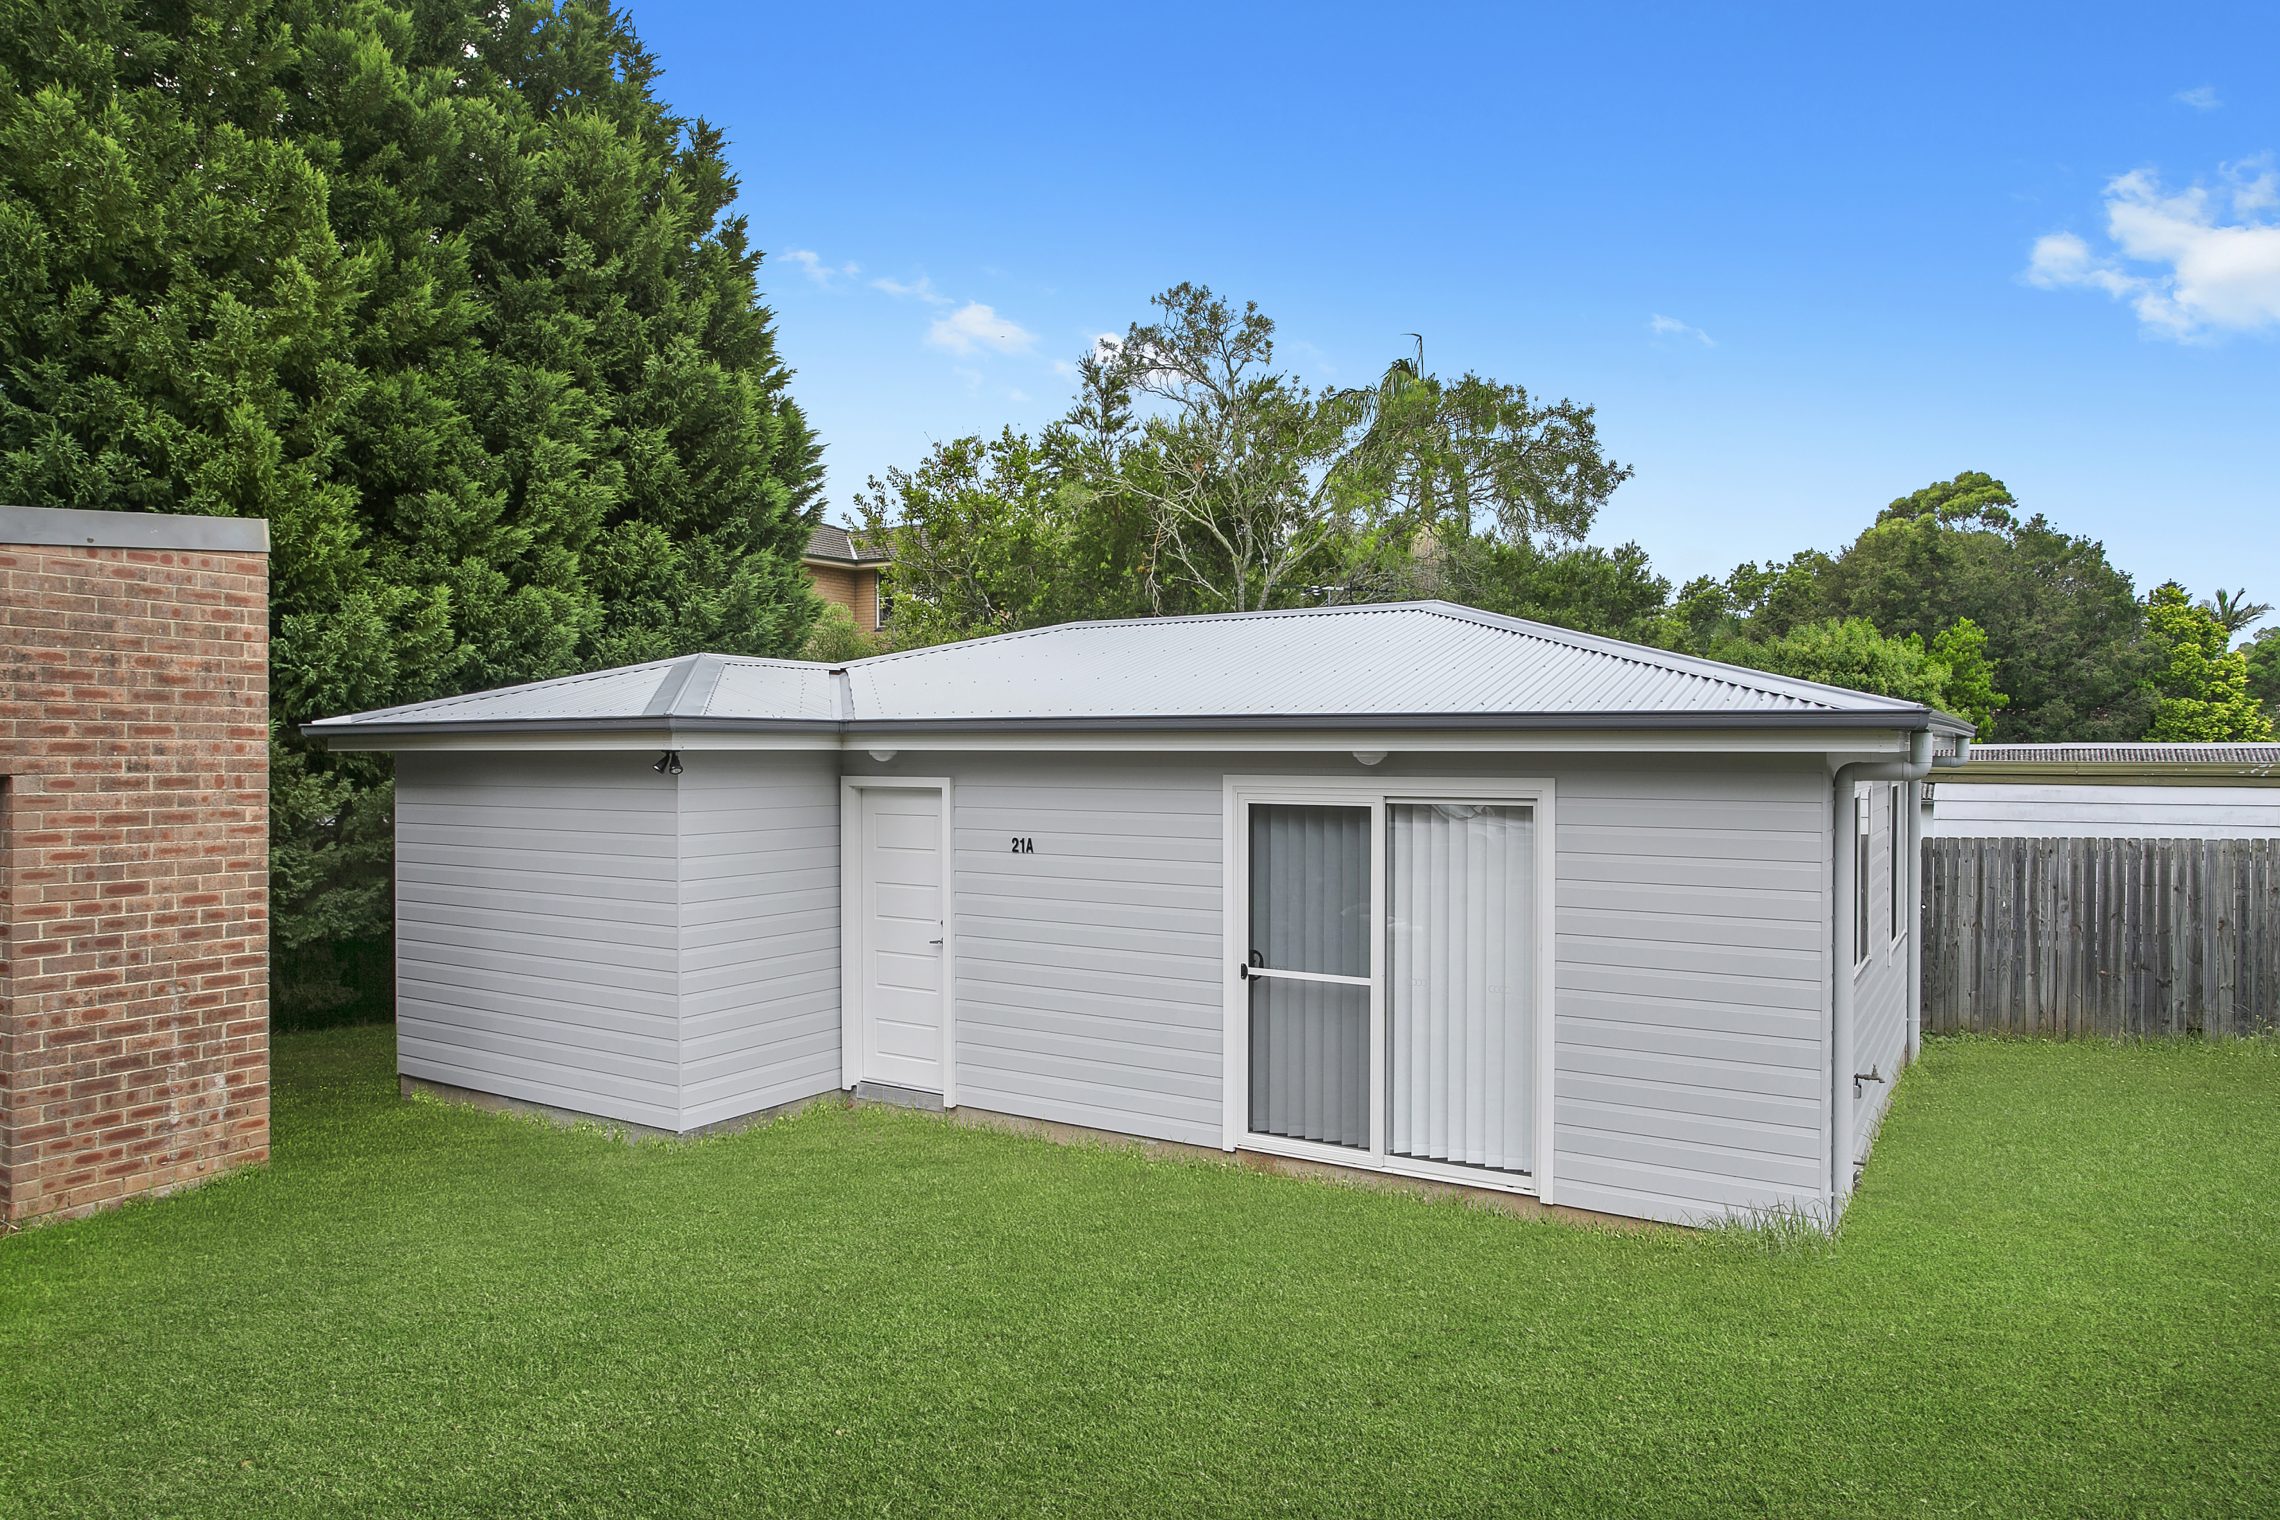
(450, 296)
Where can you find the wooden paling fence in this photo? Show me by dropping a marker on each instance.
(2102, 936)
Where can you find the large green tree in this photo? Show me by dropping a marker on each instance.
(447, 294)
(2065, 631)
(2199, 681)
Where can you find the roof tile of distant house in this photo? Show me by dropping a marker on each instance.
(841, 547)
(1406, 663)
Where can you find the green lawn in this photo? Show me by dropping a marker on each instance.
(2057, 1293)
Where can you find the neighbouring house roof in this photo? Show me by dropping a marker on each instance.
(837, 546)
(2116, 764)
(1418, 664)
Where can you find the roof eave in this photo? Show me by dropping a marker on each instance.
(1899, 720)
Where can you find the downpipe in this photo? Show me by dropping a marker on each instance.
(1844, 958)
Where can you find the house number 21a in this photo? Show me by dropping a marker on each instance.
(1023, 846)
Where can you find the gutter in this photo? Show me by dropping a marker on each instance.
(1844, 952)
(1924, 721)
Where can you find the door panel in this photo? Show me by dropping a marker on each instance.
(902, 936)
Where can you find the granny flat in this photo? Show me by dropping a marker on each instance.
(1404, 888)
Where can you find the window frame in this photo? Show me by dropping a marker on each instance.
(1896, 874)
(1864, 838)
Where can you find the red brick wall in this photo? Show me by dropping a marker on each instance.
(134, 904)
(854, 587)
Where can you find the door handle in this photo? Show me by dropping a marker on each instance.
(936, 940)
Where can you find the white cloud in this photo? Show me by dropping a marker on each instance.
(920, 289)
(813, 266)
(1670, 327)
(2202, 97)
(2193, 265)
(975, 325)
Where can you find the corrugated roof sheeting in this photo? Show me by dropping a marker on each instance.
(2126, 754)
(1407, 660)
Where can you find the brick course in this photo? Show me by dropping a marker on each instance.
(134, 889)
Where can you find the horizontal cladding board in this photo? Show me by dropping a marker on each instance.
(1617, 1134)
(598, 892)
(1765, 993)
(1689, 1009)
(802, 1047)
(758, 975)
(1695, 957)
(703, 839)
(1019, 883)
(707, 1009)
(1705, 843)
(1729, 815)
(649, 1054)
(444, 988)
(584, 992)
(632, 843)
(1098, 846)
(632, 875)
(1738, 874)
(791, 1084)
(791, 882)
(1039, 817)
(446, 902)
(1196, 946)
(1659, 925)
(518, 958)
(1072, 912)
(985, 954)
(1061, 1103)
(534, 1083)
(1643, 1040)
(634, 947)
(1785, 1124)
(993, 1037)
(1718, 1078)
(742, 1030)
(716, 941)
(1711, 906)
(1125, 1013)
(570, 1067)
(1613, 1187)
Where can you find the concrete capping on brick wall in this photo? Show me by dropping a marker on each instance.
(73, 528)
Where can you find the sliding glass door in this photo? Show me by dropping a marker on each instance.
(1392, 968)
(1310, 969)
(1460, 988)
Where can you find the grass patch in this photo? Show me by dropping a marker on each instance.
(2057, 1292)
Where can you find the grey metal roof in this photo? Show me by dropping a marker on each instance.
(2126, 754)
(1406, 663)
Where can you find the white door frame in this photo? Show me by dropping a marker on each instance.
(1376, 793)
(851, 927)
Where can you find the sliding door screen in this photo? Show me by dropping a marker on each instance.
(1309, 973)
(1391, 966)
(1461, 983)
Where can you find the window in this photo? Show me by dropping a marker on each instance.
(1861, 810)
(1392, 952)
(1899, 882)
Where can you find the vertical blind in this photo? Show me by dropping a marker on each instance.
(1461, 984)
(1310, 911)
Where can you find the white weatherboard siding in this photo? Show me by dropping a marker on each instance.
(759, 951)
(1880, 989)
(2003, 809)
(1691, 1057)
(1089, 970)
(1690, 1035)
(537, 930)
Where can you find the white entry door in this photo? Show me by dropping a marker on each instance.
(900, 938)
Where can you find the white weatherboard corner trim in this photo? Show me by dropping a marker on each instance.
(1237, 792)
(851, 883)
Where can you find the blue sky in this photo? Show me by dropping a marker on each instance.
(1802, 259)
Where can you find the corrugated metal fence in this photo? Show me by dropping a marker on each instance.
(2102, 936)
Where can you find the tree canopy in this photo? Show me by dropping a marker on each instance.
(448, 295)
(2200, 683)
